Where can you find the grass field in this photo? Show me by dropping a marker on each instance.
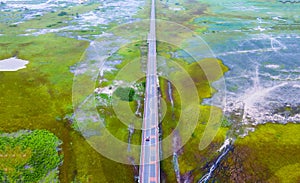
(40, 97)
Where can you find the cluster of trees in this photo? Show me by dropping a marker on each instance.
(28, 156)
(125, 94)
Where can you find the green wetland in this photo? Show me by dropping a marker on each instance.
(42, 141)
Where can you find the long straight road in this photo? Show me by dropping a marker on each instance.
(150, 160)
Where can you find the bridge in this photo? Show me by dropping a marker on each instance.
(149, 171)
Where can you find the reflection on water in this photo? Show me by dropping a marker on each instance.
(12, 64)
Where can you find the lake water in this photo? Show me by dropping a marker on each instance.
(12, 64)
(261, 47)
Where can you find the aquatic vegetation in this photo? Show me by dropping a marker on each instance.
(190, 158)
(127, 88)
(269, 154)
(47, 74)
(181, 12)
(49, 19)
(40, 97)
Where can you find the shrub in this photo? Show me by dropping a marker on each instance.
(63, 13)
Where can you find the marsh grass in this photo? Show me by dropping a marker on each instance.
(48, 20)
(191, 159)
(40, 97)
(269, 154)
(129, 72)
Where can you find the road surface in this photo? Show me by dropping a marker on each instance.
(149, 161)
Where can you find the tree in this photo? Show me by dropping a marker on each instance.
(125, 94)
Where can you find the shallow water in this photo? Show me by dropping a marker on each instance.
(262, 77)
(263, 60)
(260, 44)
